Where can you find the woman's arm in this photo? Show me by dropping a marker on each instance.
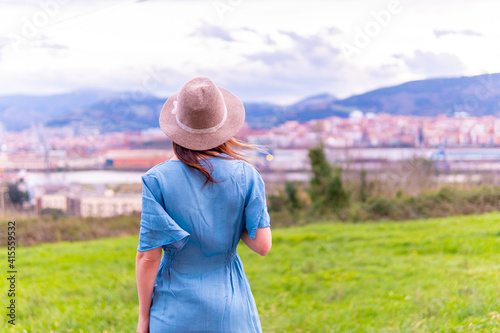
(146, 269)
(262, 242)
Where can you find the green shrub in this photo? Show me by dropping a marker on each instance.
(276, 203)
(326, 188)
(355, 213)
(53, 213)
(45, 229)
(380, 207)
(364, 191)
(292, 199)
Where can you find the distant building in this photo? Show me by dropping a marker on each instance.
(356, 115)
(110, 205)
(91, 204)
(136, 158)
(55, 201)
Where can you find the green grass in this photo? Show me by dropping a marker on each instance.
(436, 275)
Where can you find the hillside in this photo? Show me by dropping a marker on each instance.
(435, 275)
(18, 112)
(475, 96)
(115, 114)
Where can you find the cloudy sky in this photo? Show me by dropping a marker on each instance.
(276, 51)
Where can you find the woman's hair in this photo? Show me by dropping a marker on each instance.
(198, 159)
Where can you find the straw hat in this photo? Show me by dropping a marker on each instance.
(201, 115)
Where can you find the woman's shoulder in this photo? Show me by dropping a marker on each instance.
(228, 166)
(163, 168)
(237, 164)
(248, 173)
(249, 167)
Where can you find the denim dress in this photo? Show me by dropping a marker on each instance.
(201, 285)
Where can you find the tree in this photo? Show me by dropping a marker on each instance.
(17, 197)
(363, 187)
(54, 213)
(336, 196)
(292, 200)
(326, 188)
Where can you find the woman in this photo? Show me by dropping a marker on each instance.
(196, 207)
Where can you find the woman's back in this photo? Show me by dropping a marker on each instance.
(201, 283)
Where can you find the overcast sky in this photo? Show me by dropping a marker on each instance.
(276, 51)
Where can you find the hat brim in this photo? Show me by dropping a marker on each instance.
(234, 122)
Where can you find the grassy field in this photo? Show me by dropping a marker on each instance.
(436, 275)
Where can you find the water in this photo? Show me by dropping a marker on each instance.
(291, 165)
(83, 177)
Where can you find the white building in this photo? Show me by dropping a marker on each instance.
(55, 201)
(92, 204)
(110, 204)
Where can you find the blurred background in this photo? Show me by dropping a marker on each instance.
(383, 88)
(367, 110)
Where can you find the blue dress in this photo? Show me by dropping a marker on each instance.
(201, 285)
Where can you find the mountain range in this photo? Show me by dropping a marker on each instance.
(114, 111)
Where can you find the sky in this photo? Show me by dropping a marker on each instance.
(275, 51)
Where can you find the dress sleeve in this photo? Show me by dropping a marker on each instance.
(157, 227)
(256, 214)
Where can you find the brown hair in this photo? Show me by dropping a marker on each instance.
(195, 158)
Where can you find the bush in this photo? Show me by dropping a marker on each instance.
(380, 207)
(326, 189)
(355, 213)
(292, 200)
(54, 213)
(16, 196)
(364, 190)
(329, 199)
(45, 229)
(276, 203)
(446, 194)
